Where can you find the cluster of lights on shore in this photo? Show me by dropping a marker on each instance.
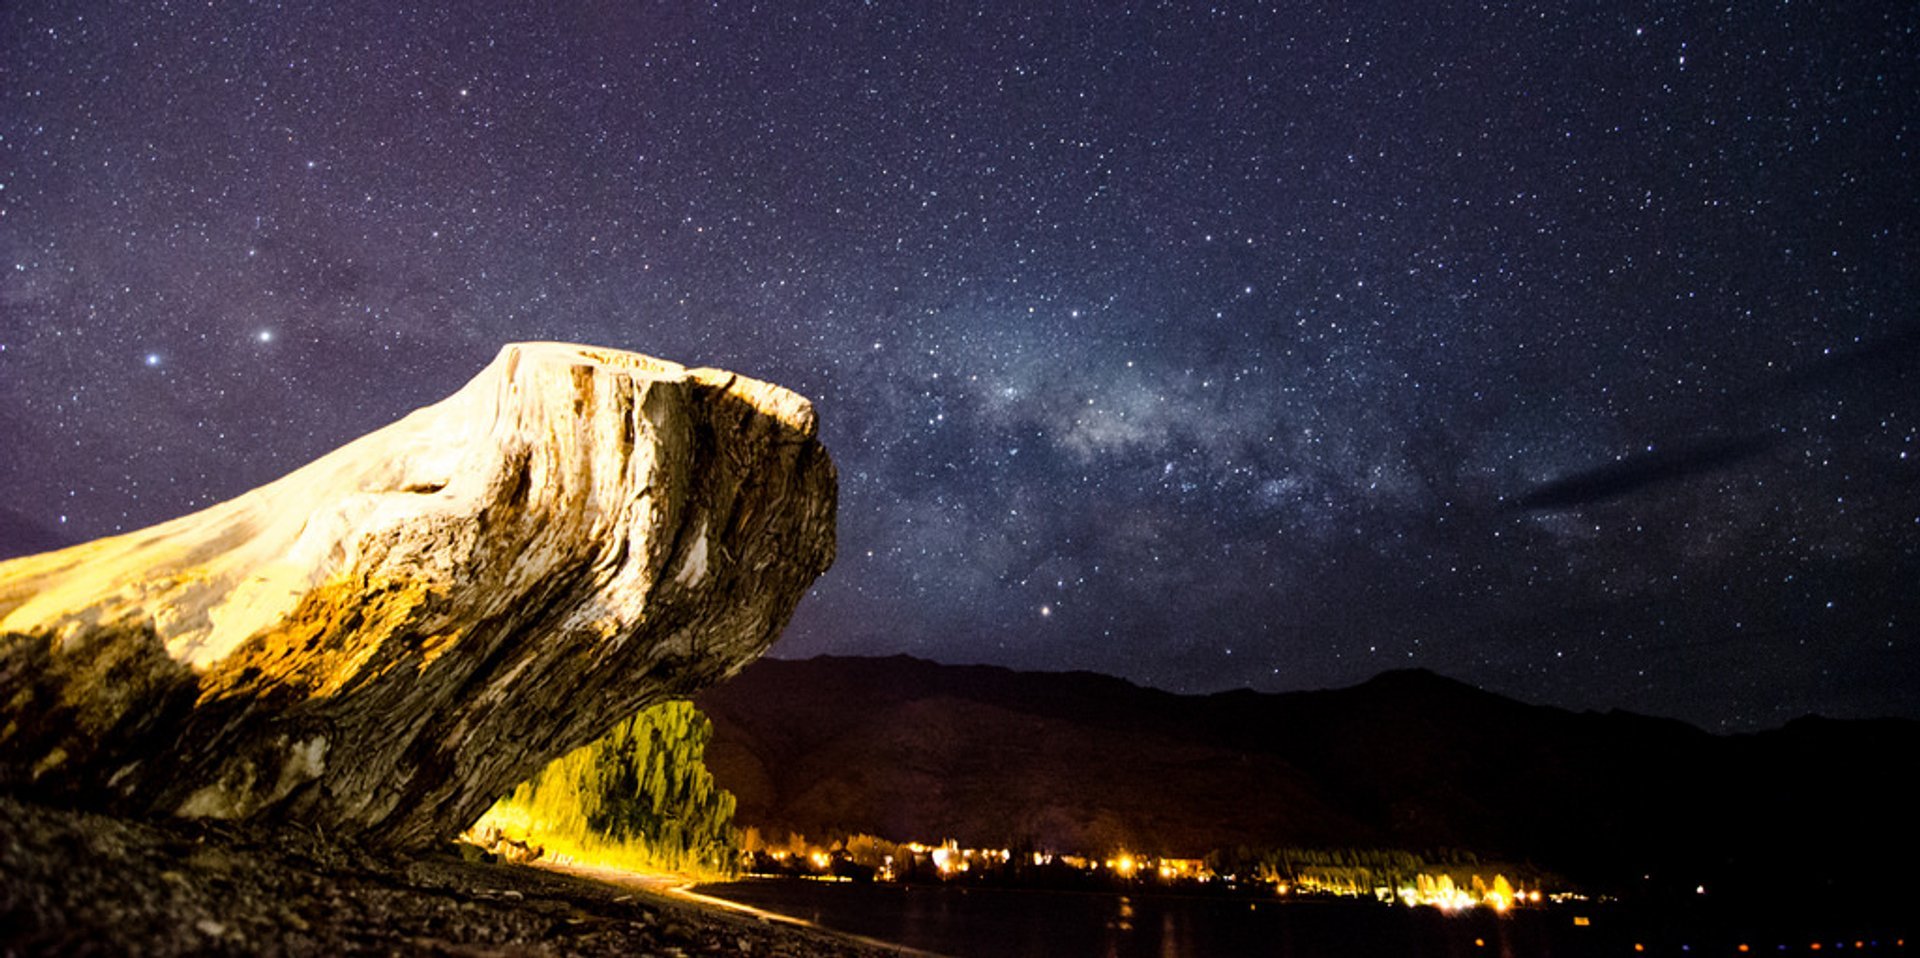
(1433, 891)
(1441, 891)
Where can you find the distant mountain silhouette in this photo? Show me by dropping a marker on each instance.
(909, 749)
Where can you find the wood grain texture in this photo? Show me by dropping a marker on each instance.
(385, 640)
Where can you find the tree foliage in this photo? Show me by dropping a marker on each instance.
(642, 790)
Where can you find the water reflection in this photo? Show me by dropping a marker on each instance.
(1119, 927)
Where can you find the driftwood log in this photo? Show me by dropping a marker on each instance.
(387, 639)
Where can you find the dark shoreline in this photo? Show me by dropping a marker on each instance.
(80, 883)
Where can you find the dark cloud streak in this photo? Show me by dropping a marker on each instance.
(1637, 473)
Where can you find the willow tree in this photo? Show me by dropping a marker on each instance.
(641, 792)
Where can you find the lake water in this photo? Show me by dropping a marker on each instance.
(968, 922)
(982, 922)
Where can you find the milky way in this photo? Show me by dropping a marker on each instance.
(1563, 348)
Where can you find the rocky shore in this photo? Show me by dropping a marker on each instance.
(76, 883)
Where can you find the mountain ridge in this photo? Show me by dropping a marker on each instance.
(1077, 761)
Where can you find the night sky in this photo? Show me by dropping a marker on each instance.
(1568, 349)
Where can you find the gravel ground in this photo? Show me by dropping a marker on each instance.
(76, 883)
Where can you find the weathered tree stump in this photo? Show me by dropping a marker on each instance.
(387, 639)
